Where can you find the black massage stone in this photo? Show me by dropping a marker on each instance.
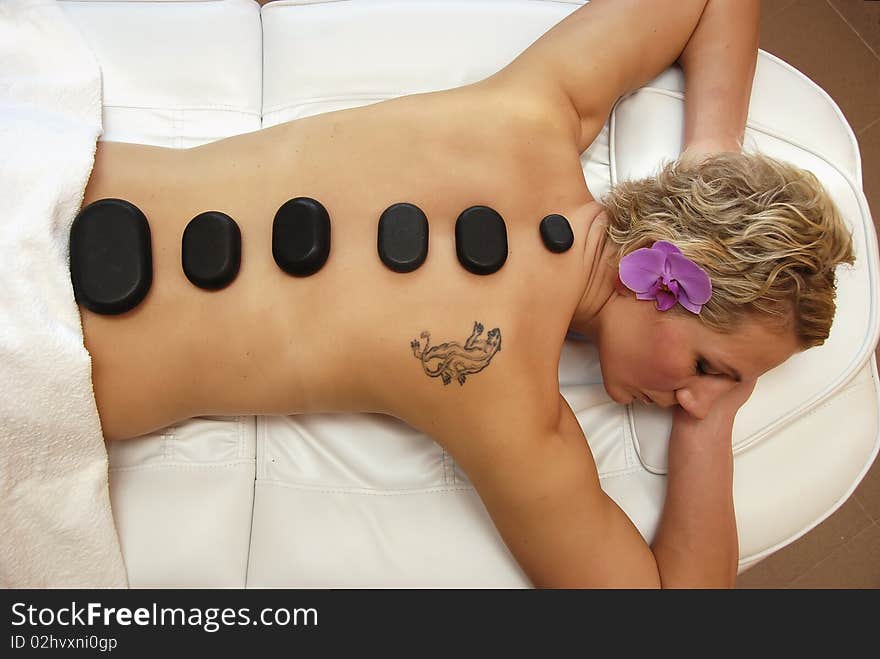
(481, 240)
(301, 236)
(211, 250)
(111, 258)
(556, 233)
(403, 237)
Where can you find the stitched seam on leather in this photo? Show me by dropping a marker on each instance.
(305, 3)
(313, 100)
(448, 468)
(317, 489)
(260, 450)
(624, 472)
(751, 123)
(197, 108)
(253, 490)
(778, 426)
(183, 466)
(829, 102)
(628, 447)
(838, 396)
(168, 447)
(637, 468)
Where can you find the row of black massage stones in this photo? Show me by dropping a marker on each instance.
(111, 263)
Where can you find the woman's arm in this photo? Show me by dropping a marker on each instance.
(583, 64)
(696, 542)
(719, 66)
(542, 490)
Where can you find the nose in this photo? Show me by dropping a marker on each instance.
(699, 397)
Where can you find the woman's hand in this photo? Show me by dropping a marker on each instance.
(720, 416)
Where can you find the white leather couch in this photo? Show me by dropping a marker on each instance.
(363, 500)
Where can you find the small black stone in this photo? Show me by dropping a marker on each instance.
(301, 236)
(211, 250)
(556, 233)
(403, 237)
(481, 240)
(111, 256)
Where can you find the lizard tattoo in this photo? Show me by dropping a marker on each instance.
(451, 359)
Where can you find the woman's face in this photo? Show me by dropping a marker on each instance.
(648, 353)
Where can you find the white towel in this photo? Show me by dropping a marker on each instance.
(56, 525)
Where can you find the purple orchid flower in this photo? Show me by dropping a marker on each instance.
(664, 274)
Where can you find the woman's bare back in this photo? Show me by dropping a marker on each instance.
(342, 339)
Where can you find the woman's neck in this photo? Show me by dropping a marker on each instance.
(601, 282)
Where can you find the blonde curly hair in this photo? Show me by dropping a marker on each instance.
(766, 232)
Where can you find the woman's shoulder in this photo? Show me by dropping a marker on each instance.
(499, 103)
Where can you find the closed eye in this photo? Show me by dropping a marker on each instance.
(700, 368)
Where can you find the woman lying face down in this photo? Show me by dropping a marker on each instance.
(764, 237)
(714, 272)
(692, 284)
(769, 239)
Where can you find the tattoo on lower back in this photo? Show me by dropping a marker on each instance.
(452, 360)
